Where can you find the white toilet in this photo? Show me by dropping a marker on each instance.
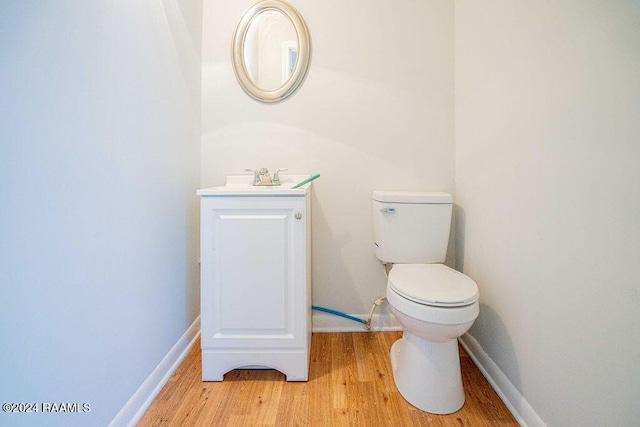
(434, 303)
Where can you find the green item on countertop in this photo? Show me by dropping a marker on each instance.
(300, 184)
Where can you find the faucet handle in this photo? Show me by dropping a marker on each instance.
(256, 176)
(276, 176)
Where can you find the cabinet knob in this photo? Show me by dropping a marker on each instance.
(298, 215)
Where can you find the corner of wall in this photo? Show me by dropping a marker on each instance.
(137, 405)
(512, 398)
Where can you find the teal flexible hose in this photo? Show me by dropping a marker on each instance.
(300, 184)
(338, 313)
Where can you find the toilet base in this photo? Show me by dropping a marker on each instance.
(427, 374)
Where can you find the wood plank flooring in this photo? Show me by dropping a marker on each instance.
(350, 384)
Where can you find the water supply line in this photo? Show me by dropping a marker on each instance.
(377, 302)
(387, 267)
(339, 313)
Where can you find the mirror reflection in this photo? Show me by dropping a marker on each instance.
(270, 49)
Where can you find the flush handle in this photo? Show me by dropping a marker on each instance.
(298, 215)
(388, 210)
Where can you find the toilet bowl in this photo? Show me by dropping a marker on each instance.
(434, 303)
(425, 361)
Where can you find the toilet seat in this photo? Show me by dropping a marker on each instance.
(433, 285)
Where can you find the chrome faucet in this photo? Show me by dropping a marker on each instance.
(262, 177)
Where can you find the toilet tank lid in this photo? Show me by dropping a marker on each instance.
(425, 197)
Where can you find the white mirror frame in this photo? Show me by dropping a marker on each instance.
(302, 61)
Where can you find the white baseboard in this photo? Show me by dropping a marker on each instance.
(137, 405)
(515, 402)
(325, 322)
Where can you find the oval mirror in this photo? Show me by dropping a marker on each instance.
(271, 50)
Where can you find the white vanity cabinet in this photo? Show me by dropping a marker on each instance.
(255, 281)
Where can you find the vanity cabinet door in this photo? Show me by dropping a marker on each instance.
(254, 289)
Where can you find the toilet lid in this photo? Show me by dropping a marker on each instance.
(433, 284)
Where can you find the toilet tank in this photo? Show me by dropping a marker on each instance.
(411, 227)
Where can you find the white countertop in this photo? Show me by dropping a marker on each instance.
(241, 185)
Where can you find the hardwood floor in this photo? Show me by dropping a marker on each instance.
(350, 384)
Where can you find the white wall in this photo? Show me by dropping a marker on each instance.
(548, 188)
(375, 112)
(99, 163)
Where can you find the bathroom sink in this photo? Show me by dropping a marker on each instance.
(241, 185)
